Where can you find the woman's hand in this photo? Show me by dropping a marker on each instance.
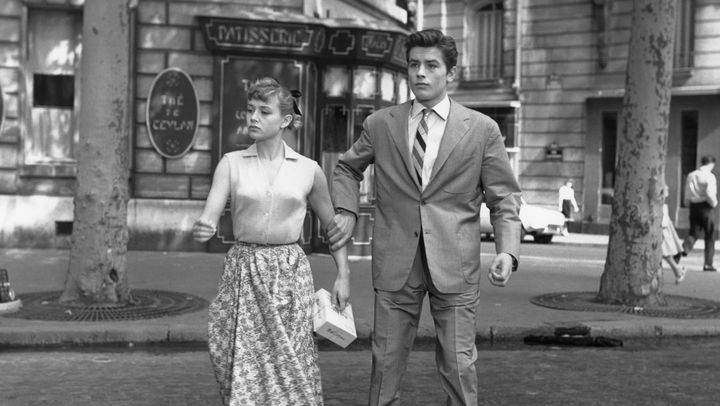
(341, 290)
(203, 230)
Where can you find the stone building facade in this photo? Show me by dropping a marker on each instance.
(346, 57)
(554, 73)
(550, 72)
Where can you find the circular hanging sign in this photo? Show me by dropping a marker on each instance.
(172, 113)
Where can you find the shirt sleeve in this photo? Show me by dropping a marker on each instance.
(712, 191)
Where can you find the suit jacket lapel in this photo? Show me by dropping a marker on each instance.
(397, 123)
(455, 129)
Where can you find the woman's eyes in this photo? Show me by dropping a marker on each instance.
(263, 112)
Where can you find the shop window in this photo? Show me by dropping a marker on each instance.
(335, 81)
(403, 91)
(684, 34)
(52, 62)
(485, 38)
(334, 128)
(689, 142)
(360, 113)
(609, 156)
(364, 86)
(387, 86)
(367, 191)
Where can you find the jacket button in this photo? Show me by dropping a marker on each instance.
(422, 202)
(416, 233)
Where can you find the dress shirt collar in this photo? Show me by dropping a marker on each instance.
(442, 109)
(252, 151)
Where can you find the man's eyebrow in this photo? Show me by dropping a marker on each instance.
(431, 60)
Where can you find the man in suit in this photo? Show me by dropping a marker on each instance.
(435, 163)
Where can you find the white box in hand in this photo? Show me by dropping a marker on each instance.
(328, 322)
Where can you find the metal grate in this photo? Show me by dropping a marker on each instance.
(149, 304)
(678, 307)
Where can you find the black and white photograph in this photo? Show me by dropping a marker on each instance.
(359, 202)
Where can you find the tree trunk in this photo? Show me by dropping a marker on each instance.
(633, 273)
(98, 267)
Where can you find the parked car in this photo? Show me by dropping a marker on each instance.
(543, 224)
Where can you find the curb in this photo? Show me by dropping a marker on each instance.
(580, 244)
(77, 335)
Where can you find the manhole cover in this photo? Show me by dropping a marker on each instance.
(149, 304)
(678, 307)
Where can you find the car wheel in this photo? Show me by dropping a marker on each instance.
(543, 238)
(523, 233)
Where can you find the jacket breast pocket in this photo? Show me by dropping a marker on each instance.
(462, 175)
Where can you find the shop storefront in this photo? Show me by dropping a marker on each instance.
(344, 71)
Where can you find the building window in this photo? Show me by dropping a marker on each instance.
(52, 62)
(689, 141)
(485, 39)
(684, 34)
(609, 156)
(506, 119)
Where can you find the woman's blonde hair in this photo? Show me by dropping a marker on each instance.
(264, 88)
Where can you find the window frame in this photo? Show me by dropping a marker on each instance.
(49, 167)
(474, 47)
(684, 50)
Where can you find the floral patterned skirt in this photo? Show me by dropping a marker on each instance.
(260, 330)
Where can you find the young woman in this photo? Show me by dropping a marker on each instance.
(671, 244)
(260, 329)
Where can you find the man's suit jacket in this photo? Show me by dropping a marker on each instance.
(471, 166)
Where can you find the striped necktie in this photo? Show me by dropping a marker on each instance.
(418, 151)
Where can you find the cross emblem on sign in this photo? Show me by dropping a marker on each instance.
(341, 42)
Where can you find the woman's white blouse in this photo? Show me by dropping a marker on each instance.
(263, 213)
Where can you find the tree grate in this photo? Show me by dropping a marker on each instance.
(678, 307)
(150, 304)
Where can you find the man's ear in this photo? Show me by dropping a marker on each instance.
(451, 74)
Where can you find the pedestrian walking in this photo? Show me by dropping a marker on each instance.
(566, 200)
(671, 244)
(260, 330)
(435, 162)
(701, 197)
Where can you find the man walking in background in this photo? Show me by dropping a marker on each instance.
(701, 197)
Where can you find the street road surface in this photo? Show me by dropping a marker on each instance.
(682, 373)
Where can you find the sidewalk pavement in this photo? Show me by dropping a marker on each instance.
(505, 314)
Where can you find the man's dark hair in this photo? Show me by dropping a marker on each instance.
(434, 38)
(707, 159)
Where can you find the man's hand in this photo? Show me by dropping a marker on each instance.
(340, 229)
(500, 269)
